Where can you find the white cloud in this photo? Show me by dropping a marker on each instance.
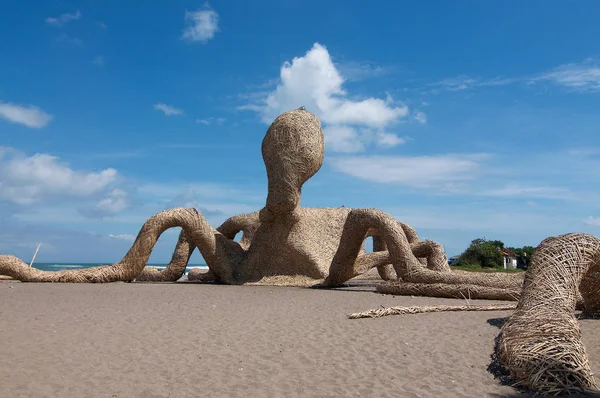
(593, 221)
(29, 116)
(420, 117)
(206, 190)
(63, 19)
(168, 110)
(358, 71)
(210, 120)
(457, 83)
(201, 25)
(348, 139)
(414, 171)
(584, 76)
(542, 192)
(486, 176)
(65, 38)
(343, 139)
(463, 82)
(99, 60)
(26, 180)
(388, 140)
(115, 202)
(314, 82)
(126, 237)
(211, 199)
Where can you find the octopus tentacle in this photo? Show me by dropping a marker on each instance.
(219, 252)
(176, 267)
(540, 344)
(357, 226)
(245, 223)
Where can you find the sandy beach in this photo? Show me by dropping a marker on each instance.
(185, 340)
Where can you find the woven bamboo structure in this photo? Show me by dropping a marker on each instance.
(218, 251)
(283, 243)
(457, 284)
(540, 344)
(458, 291)
(176, 267)
(422, 309)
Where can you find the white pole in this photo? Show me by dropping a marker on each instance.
(35, 254)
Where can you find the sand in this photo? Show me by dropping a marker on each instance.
(186, 340)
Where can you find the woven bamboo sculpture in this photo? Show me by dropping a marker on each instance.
(540, 344)
(288, 244)
(284, 243)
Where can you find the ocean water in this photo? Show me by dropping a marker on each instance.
(62, 266)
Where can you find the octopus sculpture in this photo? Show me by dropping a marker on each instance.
(287, 244)
(283, 243)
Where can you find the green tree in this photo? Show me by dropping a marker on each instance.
(483, 253)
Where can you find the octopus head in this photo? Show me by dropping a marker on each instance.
(293, 151)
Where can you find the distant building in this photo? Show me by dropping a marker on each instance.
(510, 259)
(454, 260)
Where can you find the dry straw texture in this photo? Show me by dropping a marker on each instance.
(459, 291)
(218, 251)
(385, 311)
(284, 243)
(287, 244)
(176, 267)
(540, 344)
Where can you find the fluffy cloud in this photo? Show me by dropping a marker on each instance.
(593, 221)
(125, 237)
(420, 117)
(462, 82)
(63, 19)
(29, 116)
(341, 138)
(485, 175)
(31, 179)
(201, 25)
(211, 120)
(115, 202)
(314, 82)
(542, 192)
(414, 171)
(168, 110)
(584, 76)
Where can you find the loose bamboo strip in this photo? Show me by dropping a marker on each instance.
(385, 311)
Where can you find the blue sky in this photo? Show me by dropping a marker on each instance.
(464, 119)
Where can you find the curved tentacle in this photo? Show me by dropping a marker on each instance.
(356, 227)
(428, 252)
(219, 252)
(540, 344)
(433, 254)
(404, 256)
(176, 267)
(386, 271)
(247, 224)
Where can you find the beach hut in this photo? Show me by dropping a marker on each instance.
(510, 259)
